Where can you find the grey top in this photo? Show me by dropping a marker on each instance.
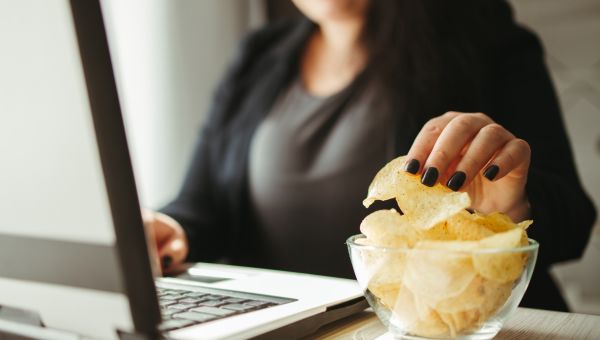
(311, 161)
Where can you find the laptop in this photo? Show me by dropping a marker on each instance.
(73, 254)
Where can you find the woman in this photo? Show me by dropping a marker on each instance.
(311, 109)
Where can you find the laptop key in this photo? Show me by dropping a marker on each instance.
(197, 295)
(213, 311)
(189, 300)
(234, 300)
(239, 307)
(212, 303)
(168, 313)
(165, 303)
(170, 297)
(257, 303)
(195, 316)
(182, 306)
(174, 324)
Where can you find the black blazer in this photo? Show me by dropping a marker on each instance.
(213, 206)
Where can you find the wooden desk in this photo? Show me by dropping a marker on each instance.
(525, 324)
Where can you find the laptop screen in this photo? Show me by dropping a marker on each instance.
(58, 243)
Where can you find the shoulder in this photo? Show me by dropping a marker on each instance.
(259, 49)
(275, 38)
(253, 61)
(506, 36)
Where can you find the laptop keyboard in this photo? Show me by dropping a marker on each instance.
(183, 308)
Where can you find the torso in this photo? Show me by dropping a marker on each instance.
(311, 161)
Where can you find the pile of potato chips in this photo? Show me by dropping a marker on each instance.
(441, 282)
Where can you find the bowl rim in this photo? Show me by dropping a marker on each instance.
(532, 246)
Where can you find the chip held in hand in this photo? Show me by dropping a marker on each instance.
(423, 206)
(454, 269)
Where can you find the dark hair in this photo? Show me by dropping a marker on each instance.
(422, 52)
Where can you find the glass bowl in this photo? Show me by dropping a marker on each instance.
(442, 294)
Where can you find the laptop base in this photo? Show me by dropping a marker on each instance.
(20, 324)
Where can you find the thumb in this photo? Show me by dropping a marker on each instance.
(172, 251)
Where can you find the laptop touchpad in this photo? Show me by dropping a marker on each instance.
(206, 275)
(202, 278)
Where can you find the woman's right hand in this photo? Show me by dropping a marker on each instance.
(168, 240)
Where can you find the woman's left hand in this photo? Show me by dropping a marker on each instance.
(470, 152)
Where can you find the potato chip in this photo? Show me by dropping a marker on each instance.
(416, 317)
(501, 266)
(429, 323)
(480, 293)
(364, 241)
(457, 246)
(439, 232)
(391, 269)
(462, 321)
(387, 228)
(525, 224)
(384, 268)
(424, 206)
(386, 293)
(495, 222)
(481, 300)
(380, 268)
(439, 275)
(463, 226)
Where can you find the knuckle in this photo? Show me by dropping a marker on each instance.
(432, 127)
(510, 157)
(462, 123)
(523, 146)
(469, 164)
(519, 149)
(481, 115)
(494, 131)
(439, 157)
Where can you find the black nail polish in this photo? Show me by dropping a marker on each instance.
(491, 172)
(167, 261)
(412, 166)
(457, 180)
(430, 176)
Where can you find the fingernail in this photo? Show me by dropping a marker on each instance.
(430, 176)
(491, 172)
(457, 180)
(167, 261)
(412, 166)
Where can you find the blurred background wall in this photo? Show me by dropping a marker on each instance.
(169, 56)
